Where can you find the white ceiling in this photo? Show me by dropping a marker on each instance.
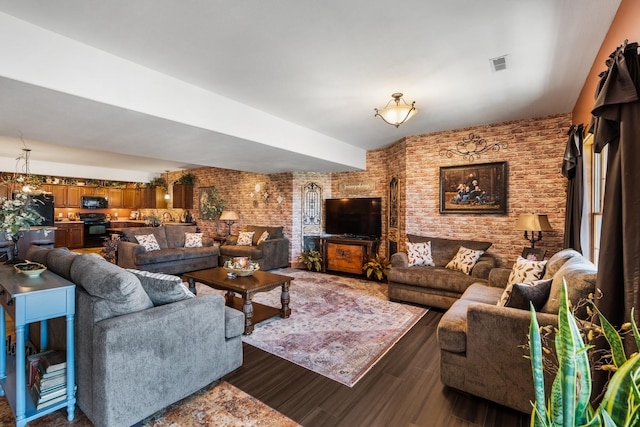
(272, 86)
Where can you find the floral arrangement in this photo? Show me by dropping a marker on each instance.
(15, 215)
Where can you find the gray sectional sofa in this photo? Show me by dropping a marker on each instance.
(173, 257)
(136, 352)
(436, 286)
(481, 344)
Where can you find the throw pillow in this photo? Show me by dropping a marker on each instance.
(149, 242)
(525, 270)
(419, 254)
(162, 288)
(464, 260)
(245, 238)
(193, 240)
(264, 236)
(523, 293)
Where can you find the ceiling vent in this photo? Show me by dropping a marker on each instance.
(500, 63)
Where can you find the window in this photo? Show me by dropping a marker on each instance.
(598, 178)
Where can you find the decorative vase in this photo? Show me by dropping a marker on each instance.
(15, 238)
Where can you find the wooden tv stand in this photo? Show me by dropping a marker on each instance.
(346, 254)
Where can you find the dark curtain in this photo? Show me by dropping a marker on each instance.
(573, 169)
(617, 125)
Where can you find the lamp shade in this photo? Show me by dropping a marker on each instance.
(533, 222)
(228, 216)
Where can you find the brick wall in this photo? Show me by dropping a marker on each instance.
(535, 185)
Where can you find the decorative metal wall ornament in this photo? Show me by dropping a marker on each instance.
(472, 147)
(311, 216)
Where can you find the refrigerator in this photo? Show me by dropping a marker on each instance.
(43, 204)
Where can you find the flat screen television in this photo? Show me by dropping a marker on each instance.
(354, 217)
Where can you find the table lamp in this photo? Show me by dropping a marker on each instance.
(533, 223)
(229, 217)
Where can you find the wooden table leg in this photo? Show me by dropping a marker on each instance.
(247, 309)
(285, 311)
(229, 297)
(192, 286)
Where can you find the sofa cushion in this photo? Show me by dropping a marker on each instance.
(175, 254)
(59, 261)
(274, 232)
(252, 252)
(264, 236)
(162, 288)
(37, 254)
(464, 260)
(176, 234)
(557, 260)
(193, 240)
(481, 292)
(519, 295)
(526, 270)
(419, 254)
(159, 233)
(432, 278)
(245, 238)
(580, 275)
(443, 250)
(120, 291)
(148, 241)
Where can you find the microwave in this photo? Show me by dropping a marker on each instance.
(94, 202)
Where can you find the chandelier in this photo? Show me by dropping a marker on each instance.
(395, 113)
(23, 173)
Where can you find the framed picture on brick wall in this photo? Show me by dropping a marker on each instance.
(474, 188)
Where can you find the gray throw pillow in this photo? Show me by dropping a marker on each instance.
(524, 293)
(162, 288)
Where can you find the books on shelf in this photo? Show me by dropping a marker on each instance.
(47, 377)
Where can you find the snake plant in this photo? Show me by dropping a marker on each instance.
(569, 400)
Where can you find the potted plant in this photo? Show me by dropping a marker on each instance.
(569, 401)
(187, 179)
(312, 259)
(377, 268)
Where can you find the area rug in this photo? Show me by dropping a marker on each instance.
(339, 326)
(218, 405)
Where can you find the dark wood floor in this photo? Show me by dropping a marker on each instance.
(402, 389)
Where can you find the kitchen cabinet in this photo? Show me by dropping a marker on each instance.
(114, 195)
(131, 198)
(5, 189)
(59, 196)
(183, 196)
(70, 234)
(73, 196)
(148, 198)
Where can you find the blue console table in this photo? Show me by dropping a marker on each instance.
(27, 300)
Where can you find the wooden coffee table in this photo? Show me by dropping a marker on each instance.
(260, 281)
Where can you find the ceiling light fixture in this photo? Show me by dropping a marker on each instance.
(396, 114)
(25, 179)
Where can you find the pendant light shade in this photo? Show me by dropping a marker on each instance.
(397, 111)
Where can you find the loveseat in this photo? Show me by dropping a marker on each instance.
(142, 341)
(481, 343)
(269, 254)
(436, 285)
(172, 257)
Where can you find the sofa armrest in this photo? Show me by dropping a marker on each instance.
(127, 252)
(498, 277)
(399, 259)
(483, 267)
(502, 376)
(207, 241)
(275, 253)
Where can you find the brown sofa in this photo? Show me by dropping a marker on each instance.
(481, 343)
(436, 286)
(270, 254)
(173, 257)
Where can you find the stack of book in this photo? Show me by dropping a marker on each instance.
(47, 374)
